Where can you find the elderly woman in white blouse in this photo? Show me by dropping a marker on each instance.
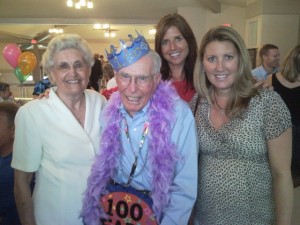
(57, 137)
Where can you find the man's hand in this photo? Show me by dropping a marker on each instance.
(45, 94)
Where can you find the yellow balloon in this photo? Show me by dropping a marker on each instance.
(27, 62)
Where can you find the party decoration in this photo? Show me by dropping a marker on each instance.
(129, 52)
(20, 76)
(27, 62)
(125, 208)
(11, 53)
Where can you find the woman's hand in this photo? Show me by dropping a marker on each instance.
(264, 84)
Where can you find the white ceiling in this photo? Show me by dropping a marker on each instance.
(22, 20)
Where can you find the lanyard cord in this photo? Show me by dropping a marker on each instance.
(142, 141)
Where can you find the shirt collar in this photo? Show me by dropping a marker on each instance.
(143, 111)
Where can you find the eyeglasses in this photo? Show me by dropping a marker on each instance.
(65, 67)
(139, 80)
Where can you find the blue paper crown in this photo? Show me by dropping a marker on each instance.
(128, 53)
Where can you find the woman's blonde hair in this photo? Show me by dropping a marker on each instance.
(291, 65)
(243, 87)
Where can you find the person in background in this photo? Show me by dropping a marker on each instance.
(176, 44)
(96, 74)
(148, 150)
(287, 84)
(245, 139)
(108, 71)
(62, 154)
(8, 210)
(5, 93)
(270, 57)
(111, 85)
(40, 87)
(102, 59)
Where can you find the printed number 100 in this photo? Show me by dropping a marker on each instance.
(122, 209)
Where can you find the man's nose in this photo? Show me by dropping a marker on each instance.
(132, 84)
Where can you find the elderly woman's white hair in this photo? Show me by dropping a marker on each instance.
(63, 42)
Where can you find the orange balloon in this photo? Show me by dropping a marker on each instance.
(27, 62)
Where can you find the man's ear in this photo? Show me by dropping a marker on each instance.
(157, 77)
(264, 57)
(12, 131)
(51, 78)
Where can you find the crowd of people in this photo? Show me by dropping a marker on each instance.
(181, 134)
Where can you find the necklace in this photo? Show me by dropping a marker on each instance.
(142, 141)
(219, 107)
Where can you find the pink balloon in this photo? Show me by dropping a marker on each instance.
(11, 53)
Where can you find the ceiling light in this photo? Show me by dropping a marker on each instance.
(98, 26)
(109, 34)
(105, 26)
(80, 3)
(55, 30)
(77, 5)
(152, 31)
(70, 3)
(90, 4)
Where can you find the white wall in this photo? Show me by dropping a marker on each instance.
(229, 14)
(281, 30)
(201, 20)
(196, 17)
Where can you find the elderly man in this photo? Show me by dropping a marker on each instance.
(146, 172)
(269, 56)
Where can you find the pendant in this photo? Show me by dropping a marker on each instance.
(133, 168)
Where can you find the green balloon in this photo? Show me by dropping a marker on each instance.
(21, 77)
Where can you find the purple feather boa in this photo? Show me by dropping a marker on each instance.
(162, 153)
